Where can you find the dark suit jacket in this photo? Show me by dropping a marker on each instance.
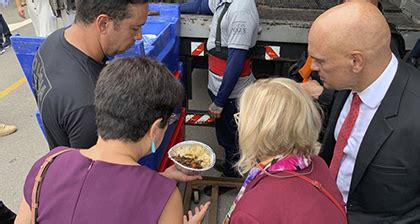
(385, 186)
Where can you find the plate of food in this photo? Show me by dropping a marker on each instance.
(192, 157)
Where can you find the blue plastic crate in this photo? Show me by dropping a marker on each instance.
(158, 42)
(138, 49)
(154, 35)
(160, 36)
(157, 34)
(166, 46)
(25, 49)
(168, 12)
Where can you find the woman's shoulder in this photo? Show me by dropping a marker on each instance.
(282, 183)
(30, 178)
(317, 160)
(321, 171)
(58, 150)
(289, 196)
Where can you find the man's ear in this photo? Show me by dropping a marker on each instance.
(103, 22)
(358, 61)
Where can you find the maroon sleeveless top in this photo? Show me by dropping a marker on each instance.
(77, 189)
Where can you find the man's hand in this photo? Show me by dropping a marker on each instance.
(313, 88)
(21, 11)
(215, 111)
(198, 217)
(173, 173)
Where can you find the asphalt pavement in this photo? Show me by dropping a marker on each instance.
(17, 106)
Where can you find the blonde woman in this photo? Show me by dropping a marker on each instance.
(287, 182)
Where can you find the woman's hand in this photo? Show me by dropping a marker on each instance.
(198, 217)
(173, 173)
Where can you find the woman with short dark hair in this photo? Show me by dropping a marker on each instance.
(134, 101)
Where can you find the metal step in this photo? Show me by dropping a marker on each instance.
(198, 118)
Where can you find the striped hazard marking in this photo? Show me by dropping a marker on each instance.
(272, 52)
(198, 119)
(197, 48)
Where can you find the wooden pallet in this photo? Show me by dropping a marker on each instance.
(215, 182)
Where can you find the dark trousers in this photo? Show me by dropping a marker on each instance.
(4, 30)
(6, 215)
(227, 136)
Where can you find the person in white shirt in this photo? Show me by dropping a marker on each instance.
(42, 16)
(233, 33)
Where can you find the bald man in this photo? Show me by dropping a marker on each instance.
(325, 96)
(372, 143)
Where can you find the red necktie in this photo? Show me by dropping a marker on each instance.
(344, 134)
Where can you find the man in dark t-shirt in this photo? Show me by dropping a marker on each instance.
(67, 66)
(64, 79)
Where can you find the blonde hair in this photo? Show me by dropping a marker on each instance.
(276, 118)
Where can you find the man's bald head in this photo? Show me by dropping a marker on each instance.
(349, 30)
(355, 25)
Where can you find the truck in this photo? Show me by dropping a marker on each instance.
(283, 32)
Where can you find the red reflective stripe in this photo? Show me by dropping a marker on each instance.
(271, 53)
(218, 66)
(194, 119)
(198, 50)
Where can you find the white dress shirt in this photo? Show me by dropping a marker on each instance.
(371, 99)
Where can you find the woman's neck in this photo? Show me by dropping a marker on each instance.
(115, 151)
